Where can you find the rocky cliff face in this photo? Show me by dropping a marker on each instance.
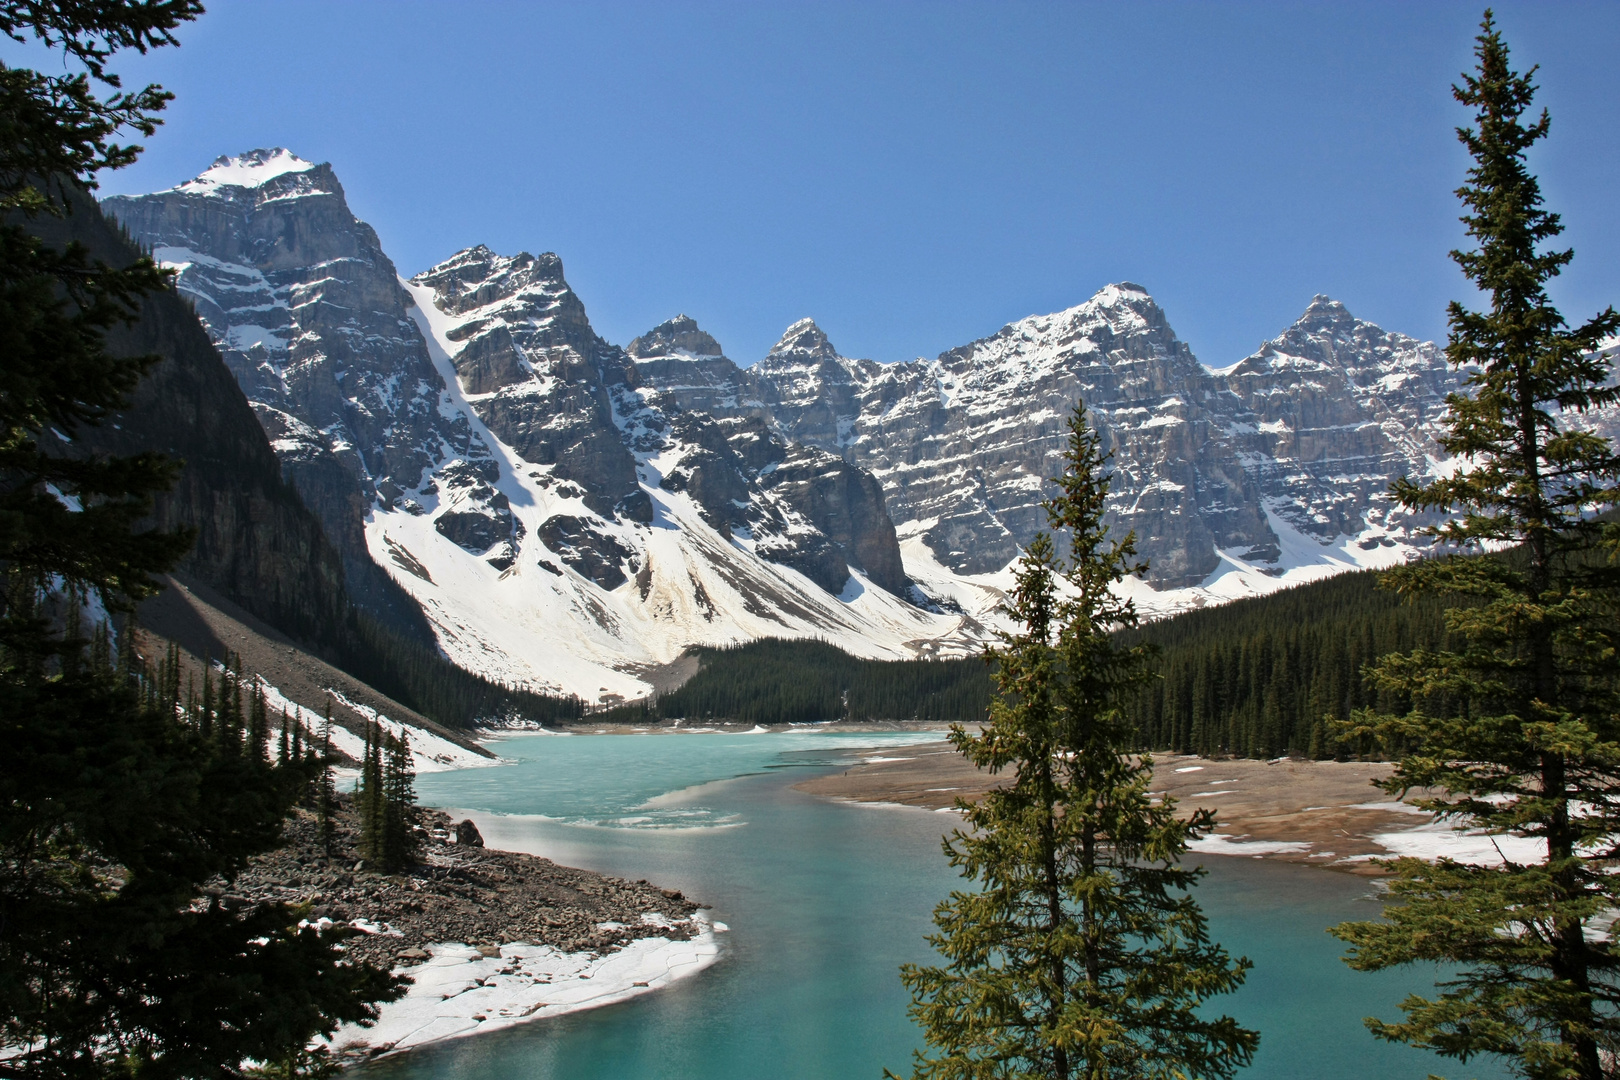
(963, 443)
(575, 409)
(537, 374)
(1333, 410)
(256, 542)
(692, 373)
(639, 524)
(1305, 435)
(307, 311)
(468, 436)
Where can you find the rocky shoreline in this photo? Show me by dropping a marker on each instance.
(456, 893)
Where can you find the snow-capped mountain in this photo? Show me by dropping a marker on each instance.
(650, 528)
(1272, 470)
(561, 525)
(308, 313)
(571, 514)
(963, 443)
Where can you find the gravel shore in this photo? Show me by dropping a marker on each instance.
(460, 893)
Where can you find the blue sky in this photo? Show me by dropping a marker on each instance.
(913, 176)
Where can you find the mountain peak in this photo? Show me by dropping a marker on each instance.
(679, 336)
(250, 169)
(804, 340)
(1323, 307)
(1121, 292)
(1325, 318)
(547, 266)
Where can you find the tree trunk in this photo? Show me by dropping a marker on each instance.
(1054, 917)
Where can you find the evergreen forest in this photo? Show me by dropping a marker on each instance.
(1263, 677)
(773, 681)
(1268, 676)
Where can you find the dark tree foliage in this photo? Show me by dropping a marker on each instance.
(775, 681)
(399, 846)
(54, 131)
(1531, 749)
(114, 954)
(1081, 953)
(369, 795)
(1269, 676)
(68, 518)
(386, 799)
(325, 785)
(119, 802)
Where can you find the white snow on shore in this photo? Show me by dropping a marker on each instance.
(1224, 844)
(1439, 840)
(461, 991)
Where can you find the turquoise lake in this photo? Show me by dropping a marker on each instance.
(825, 900)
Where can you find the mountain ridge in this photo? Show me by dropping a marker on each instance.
(570, 514)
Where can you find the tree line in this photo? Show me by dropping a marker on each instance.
(1261, 677)
(1270, 676)
(778, 681)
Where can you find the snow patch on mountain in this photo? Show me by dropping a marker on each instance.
(250, 170)
(429, 752)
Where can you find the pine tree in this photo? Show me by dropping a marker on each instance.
(1531, 745)
(114, 812)
(1082, 953)
(205, 706)
(259, 723)
(327, 807)
(230, 718)
(284, 749)
(371, 798)
(399, 846)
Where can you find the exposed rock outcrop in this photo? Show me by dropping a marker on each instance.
(256, 542)
(1311, 429)
(536, 372)
(459, 892)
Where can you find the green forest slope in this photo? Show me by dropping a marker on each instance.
(773, 681)
(1254, 678)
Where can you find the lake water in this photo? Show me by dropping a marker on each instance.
(825, 900)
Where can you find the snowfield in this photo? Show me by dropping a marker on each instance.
(464, 991)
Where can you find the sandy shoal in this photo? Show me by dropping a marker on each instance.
(1324, 813)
